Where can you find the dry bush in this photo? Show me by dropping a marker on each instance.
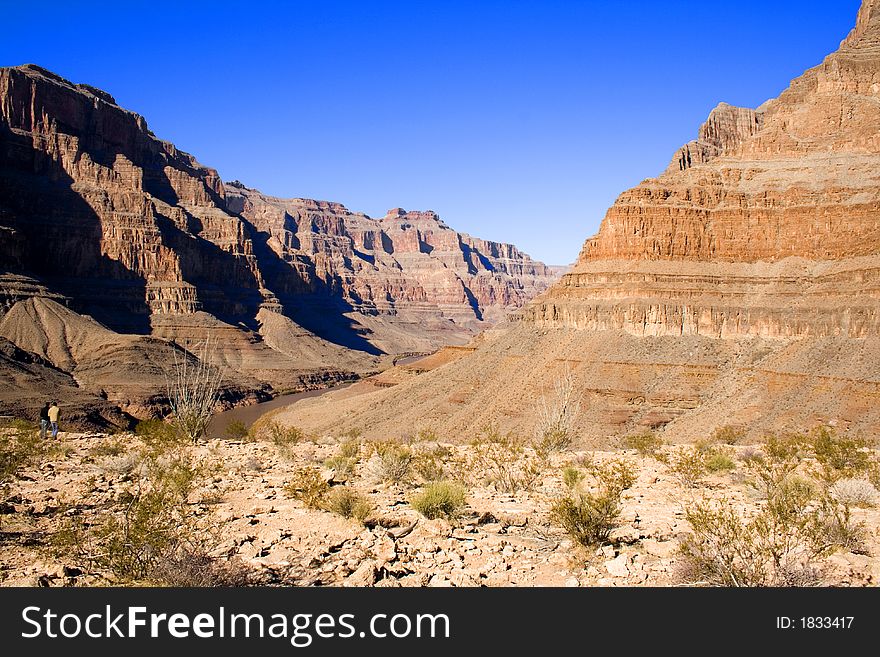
(157, 433)
(507, 461)
(777, 547)
(309, 486)
(855, 492)
(348, 503)
(391, 462)
(19, 448)
(150, 525)
(588, 517)
(193, 388)
(430, 462)
(237, 430)
(646, 443)
(557, 415)
(107, 448)
(727, 435)
(838, 456)
(191, 568)
(689, 466)
(440, 499)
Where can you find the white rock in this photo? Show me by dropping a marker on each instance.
(618, 567)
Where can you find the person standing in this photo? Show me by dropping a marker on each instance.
(53, 418)
(44, 420)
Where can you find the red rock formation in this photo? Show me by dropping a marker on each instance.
(98, 214)
(741, 286)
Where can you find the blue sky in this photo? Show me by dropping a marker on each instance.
(518, 121)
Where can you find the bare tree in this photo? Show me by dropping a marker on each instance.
(557, 414)
(193, 386)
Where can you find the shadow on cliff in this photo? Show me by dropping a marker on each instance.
(62, 238)
(308, 300)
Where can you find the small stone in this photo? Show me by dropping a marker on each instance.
(365, 575)
(572, 582)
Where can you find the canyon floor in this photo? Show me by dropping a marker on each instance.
(242, 492)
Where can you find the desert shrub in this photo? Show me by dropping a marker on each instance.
(646, 443)
(557, 415)
(430, 464)
(440, 499)
(777, 547)
(588, 517)
(727, 435)
(108, 448)
(833, 527)
(391, 462)
(150, 524)
(237, 430)
(506, 461)
(157, 432)
(309, 486)
(426, 436)
(342, 466)
(689, 466)
(193, 388)
(719, 460)
(350, 449)
(18, 449)
(572, 477)
(348, 503)
(282, 436)
(855, 492)
(838, 456)
(189, 568)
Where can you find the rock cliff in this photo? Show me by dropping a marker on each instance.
(741, 286)
(136, 238)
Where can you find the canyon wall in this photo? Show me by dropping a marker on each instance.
(138, 239)
(741, 286)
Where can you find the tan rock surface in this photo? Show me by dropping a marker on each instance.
(738, 287)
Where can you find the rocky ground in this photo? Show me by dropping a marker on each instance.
(498, 539)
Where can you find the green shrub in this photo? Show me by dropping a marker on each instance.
(348, 503)
(430, 464)
(342, 466)
(647, 443)
(719, 461)
(838, 456)
(19, 449)
(237, 430)
(589, 517)
(440, 499)
(572, 477)
(350, 449)
(308, 486)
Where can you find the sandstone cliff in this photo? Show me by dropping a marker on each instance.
(135, 238)
(741, 286)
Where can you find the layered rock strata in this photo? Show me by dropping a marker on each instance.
(741, 286)
(135, 238)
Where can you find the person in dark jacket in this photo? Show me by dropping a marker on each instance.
(44, 420)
